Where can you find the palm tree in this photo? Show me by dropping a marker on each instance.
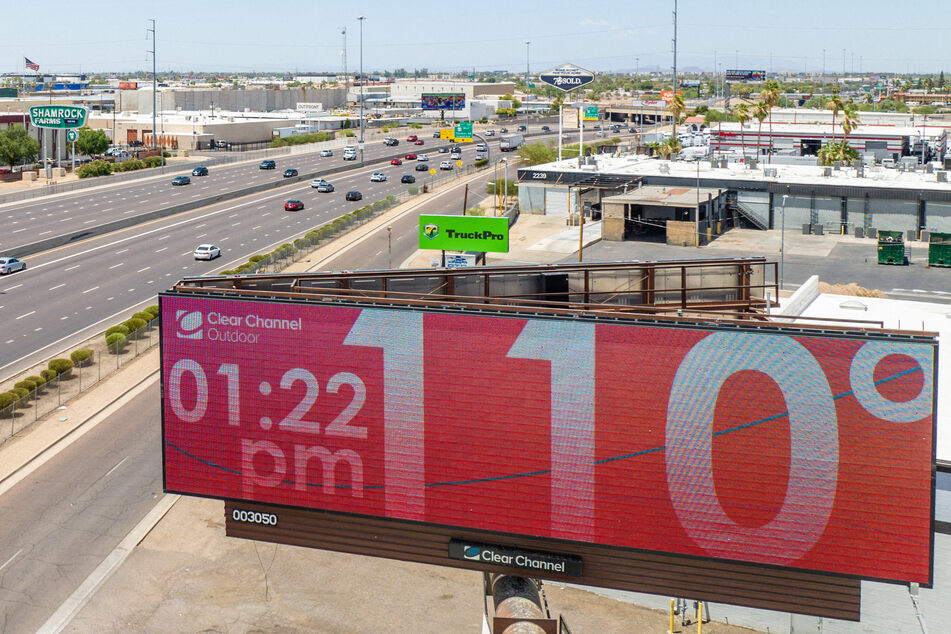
(760, 112)
(836, 105)
(677, 109)
(850, 119)
(770, 96)
(742, 114)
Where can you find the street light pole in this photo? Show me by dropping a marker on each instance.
(782, 243)
(361, 19)
(528, 75)
(389, 245)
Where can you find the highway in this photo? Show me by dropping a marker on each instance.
(67, 294)
(61, 521)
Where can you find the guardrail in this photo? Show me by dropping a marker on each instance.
(106, 359)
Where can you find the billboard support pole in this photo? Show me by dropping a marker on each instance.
(560, 106)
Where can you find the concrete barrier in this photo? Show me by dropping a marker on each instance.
(800, 300)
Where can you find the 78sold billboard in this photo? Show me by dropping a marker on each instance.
(811, 451)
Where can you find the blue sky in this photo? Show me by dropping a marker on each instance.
(243, 36)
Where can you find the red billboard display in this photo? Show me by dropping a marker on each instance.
(128, 85)
(811, 451)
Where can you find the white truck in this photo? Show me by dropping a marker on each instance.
(511, 142)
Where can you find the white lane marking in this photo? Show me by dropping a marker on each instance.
(12, 287)
(75, 266)
(90, 221)
(165, 237)
(115, 266)
(143, 270)
(27, 314)
(109, 472)
(162, 249)
(8, 561)
(89, 290)
(55, 287)
(44, 233)
(121, 251)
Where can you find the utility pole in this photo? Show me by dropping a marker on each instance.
(361, 19)
(346, 83)
(528, 75)
(154, 87)
(822, 80)
(674, 93)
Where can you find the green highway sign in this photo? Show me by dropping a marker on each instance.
(58, 117)
(463, 130)
(591, 113)
(464, 233)
(72, 135)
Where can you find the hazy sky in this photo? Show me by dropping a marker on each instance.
(289, 35)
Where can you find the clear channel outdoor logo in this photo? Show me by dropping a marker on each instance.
(189, 324)
(472, 552)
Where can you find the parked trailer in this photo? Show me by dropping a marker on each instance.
(511, 142)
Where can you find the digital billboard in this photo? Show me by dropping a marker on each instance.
(746, 75)
(770, 447)
(443, 101)
(464, 233)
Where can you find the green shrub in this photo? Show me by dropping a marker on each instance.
(475, 211)
(416, 126)
(229, 272)
(116, 342)
(256, 258)
(48, 374)
(413, 190)
(153, 161)
(121, 329)
(481, 162)
(349, 133)
(166, 154)
(154, 309)
(144, 316)
(96, 168)
(22, 394)
(81, 357)
(62, 367)
(135, 326)
(7, 399)
(301, 139)
(40, 381)
(26, 384)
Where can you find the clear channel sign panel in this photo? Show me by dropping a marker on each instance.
(804, 451)
(58, 117)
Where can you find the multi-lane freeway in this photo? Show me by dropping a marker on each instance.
(70, 292)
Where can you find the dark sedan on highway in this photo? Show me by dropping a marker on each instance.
(181, 180)
(267, 165)
(408, 178)
(201, 170)
(354, 195)
(422, 167)
(290, 172)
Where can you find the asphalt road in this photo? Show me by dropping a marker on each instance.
(67, 294)
(59, 523)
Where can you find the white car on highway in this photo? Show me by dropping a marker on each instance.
(378, 177)
(326, 152)
(11, 265)
(422, 157)
(207, 252)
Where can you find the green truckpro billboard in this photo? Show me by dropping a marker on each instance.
(464, 233)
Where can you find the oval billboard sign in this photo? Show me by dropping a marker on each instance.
(59, 117)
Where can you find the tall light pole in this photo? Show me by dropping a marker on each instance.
(528, 75)
(361, 19)
(346, 82)
(154, 83)
(389, 244)
(782, 242)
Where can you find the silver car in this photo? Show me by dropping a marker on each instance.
(378, 177)
(326, 152)
(11, 265)
(207, 252)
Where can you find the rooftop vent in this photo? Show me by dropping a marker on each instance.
(827, 171)
(941, 177)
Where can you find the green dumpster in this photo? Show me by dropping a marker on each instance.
(891, 248)
(939, 249)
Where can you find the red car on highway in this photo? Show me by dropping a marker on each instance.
(293, 205)
(409, 157)
(412, 138)
(418, 142)
(396, 162)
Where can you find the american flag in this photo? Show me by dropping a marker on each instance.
(31, 65)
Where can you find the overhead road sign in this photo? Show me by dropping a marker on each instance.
(567, 77)
(463, 131)
(58, 117)
(591, 113)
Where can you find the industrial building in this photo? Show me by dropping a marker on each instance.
(853, 200)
